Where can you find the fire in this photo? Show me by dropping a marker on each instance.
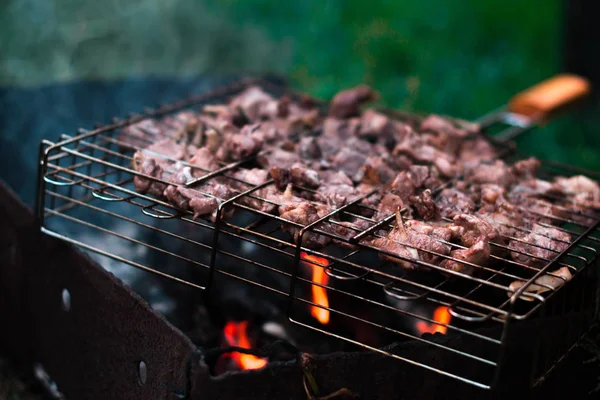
(235, 334)
(440, 315)
(319, 294)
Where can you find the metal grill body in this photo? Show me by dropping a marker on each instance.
(85, 190)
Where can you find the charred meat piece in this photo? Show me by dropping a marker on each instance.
(411, 244)
(308, 148)
(375, 171)
(298, 175)
(142, 134)
(452, 202)
(336, 190)
(497, 173)
(304, 213)
(478, 254)
(526, 169)
(239, 146)
(476, 150)
(205, 160)
(348, 160)
(151, 167)
(581, 190)
(157, 161)
(278, 158)
(347, 103)
(425, 205)
(470, 229)
(415, 148)
(539, 246)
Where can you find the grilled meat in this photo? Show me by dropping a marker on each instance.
(539, 246)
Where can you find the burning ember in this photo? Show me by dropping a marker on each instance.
(319, 294)
(236, 335)
(441, 315)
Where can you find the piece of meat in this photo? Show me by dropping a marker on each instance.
(497, 173)
(580, 189)
(348, 160)
(304, 213)
(347, 103)
(418, 150)
(157, 161)
(469, 229)
(298, 175)
(278, 158)
(308, 148)
(205, 160)
(141, 134)
(475, 151)
(152, 168)
(478, 254)
(539, 246)
(411, 244)
(255, 104)
(340, 129)
(452, 202)
(168, 149)
(239, 146)
(336, 190)
(375, 171)
(425, 206)
(526, 169)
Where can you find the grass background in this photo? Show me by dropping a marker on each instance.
(459, 57)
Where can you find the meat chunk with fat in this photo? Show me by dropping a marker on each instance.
(425, 206)
(539, 246)
(347, 103)
(452, 202)
(412, 245)
(304, 213)
(298, 175)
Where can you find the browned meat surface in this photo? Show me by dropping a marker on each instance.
(308, 148)
(304, 213)
(412, 244)
(152, 167)
(336, 190)
(142, 134)
(539, 246)
(475, 150)
(204, 160)
(477, 254)
(239, 146)
(425, 206)
(497, 173)
(298, 175)
(452, 202)
(470, 229)
(389, 160)
(157, 161)
(348, 102)
(278, 158)
(416, 149)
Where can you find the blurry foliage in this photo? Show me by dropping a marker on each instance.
(459, 57)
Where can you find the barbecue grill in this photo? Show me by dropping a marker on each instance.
(85, 184)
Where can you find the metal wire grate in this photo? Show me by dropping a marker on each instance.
(86, 183)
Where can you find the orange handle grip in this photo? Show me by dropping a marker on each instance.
(547, 97)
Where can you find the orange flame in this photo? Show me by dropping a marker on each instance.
(235, 334)
(319, 294)
(441, 315)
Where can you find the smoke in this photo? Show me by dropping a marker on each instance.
(61, 40)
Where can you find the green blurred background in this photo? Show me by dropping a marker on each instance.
(458, 57)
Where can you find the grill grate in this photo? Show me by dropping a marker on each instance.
(85, 188)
